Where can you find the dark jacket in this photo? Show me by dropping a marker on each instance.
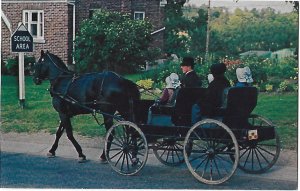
(190, 80)
(213, 99)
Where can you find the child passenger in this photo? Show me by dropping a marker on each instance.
(169, 93)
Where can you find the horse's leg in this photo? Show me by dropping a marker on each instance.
(59, 133)
(108, 121)
(66, 122)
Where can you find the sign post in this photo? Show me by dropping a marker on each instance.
(21, 41)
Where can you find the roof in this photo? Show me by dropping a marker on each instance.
(37, 1)
(284, 50)
(256, 53)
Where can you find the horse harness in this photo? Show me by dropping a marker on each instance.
(64, 96)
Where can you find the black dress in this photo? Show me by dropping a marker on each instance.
(214, 95)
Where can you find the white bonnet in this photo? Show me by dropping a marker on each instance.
(210, 78)
(244, 74)
(172, 81)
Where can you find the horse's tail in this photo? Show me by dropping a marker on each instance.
(132, 90)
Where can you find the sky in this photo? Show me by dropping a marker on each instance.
(280, 6)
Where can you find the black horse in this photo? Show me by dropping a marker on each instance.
(73, 94)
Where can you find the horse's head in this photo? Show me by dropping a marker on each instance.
(49, 66)
(40, 69)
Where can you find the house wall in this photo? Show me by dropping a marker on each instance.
(58, 22)
(57, 28)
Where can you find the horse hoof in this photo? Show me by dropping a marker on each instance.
(135, 161)
(82, 159)
(103, 160)
(50, 155)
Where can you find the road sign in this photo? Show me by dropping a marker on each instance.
(21, 40)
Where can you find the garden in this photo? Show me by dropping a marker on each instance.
(100, 48)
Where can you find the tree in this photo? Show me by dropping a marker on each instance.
(112, 41)
(176, 35)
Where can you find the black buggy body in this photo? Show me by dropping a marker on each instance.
(212, 149)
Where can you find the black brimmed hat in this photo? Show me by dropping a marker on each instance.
(187, 61)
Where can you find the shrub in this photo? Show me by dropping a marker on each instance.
(295, 87)
(269, 87)
(12, 65)
(3, 67)
(159, 74)
(113, 41)
(285, 86)
(146, 84)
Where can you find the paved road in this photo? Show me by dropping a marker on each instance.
(24, 165)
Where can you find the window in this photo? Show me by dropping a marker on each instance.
(163, 3)
(34, 22)
(139, 15)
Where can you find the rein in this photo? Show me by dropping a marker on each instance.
(148, 91)
(59, 68)
(93, 111)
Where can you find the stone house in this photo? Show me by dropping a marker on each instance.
(54, 23)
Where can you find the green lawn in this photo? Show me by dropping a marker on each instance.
(39, 115)
(282, 110)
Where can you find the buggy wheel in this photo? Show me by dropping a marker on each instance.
(169, 151)
(126, 148)
(208, 148)
(257, 156)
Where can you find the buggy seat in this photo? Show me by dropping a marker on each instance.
(238, 103)
(178, 114)
(185, 99)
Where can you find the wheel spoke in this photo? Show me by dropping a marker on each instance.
(116, 154)
(263, 156)
(265, 150)
(252, 159)
(226, 160)
(119, 159)
(222, 159)
(205, 167)
(258, 159)
(113, 143)
(195, 158)
(123, 160)
(217, 167)
(198, 145)
(244, 152)
(247, 157)
(117, 139)
(127, 162)
(267, 145)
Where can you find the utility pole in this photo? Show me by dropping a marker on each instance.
(207, 31)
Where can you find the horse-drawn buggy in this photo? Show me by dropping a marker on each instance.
(212, 149)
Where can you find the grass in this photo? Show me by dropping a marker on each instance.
(282, 110)
(39, 115)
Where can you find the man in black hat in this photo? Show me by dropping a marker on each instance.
(213, 99)
(189, 78)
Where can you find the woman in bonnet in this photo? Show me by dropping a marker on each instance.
(169, 93)
(244, 77)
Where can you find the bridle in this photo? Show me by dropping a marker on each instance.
(59, 68)
(62, 71)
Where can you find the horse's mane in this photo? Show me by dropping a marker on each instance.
(58, 61)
